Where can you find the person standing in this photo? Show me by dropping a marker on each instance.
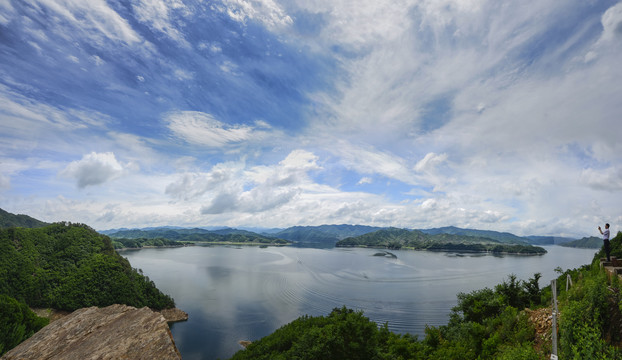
(605, 235)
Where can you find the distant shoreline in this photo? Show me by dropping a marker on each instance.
(445, 250)
(204, 243)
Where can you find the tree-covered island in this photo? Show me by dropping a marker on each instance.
(393, 238)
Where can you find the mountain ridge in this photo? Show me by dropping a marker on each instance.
(394, 238)
(330, 234)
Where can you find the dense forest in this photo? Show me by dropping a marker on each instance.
(485, 324)
(393, 238)
(142, 242)
(63, 266)
(503, 237)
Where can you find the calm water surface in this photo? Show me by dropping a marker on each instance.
(246, 293)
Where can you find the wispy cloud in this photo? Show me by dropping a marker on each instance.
(203, 129)
(157, 15)
(266, 12)
(94, 18)
(411, 113)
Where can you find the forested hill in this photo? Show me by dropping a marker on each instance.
(198, 235)
(323, 234)
(502, 237)
(393, 238)
(591, 242)
(69, 266)
(11, 220)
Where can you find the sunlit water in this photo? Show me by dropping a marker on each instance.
(234, 294)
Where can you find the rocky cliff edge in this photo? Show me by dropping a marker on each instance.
(113, 332)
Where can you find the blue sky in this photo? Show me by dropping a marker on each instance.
(497, 115)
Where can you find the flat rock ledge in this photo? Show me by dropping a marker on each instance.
(174, 315)
(113, 332)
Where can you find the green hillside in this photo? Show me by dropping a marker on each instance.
(394, 238)
(63, 266)
(142, 242)
(11, 220)
(591, 242)
(502, 237)
(323, 234)
(548, 240)
(69, 266)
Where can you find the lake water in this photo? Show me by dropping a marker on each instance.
(233, 293)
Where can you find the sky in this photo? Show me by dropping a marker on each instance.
(485, 114)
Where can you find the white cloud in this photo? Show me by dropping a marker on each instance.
(358, 25)
(29, 124)
(94, 17)
(300, 160)
(267, 12)
(6, 13)
(227, 177)
(364, 180)
(612, 24)
(372, 161)
(228, 67)
(203, 129)
(157, 15)
(183, 75)
(609, 41)
(97, 60)
(609, 179)
(430, 162)
(233, 188)
(93, 169)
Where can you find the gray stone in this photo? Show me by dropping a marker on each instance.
(113, 332)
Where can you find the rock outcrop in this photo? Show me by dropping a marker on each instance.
(174, 315)
(113, 332)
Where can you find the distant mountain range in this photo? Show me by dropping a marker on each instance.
(329, 235)
(323, 235)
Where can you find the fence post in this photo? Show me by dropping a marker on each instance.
(554, 322)
(568, 282)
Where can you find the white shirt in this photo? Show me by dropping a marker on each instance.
(606, 234)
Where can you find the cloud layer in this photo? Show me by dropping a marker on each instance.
(497, 115)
